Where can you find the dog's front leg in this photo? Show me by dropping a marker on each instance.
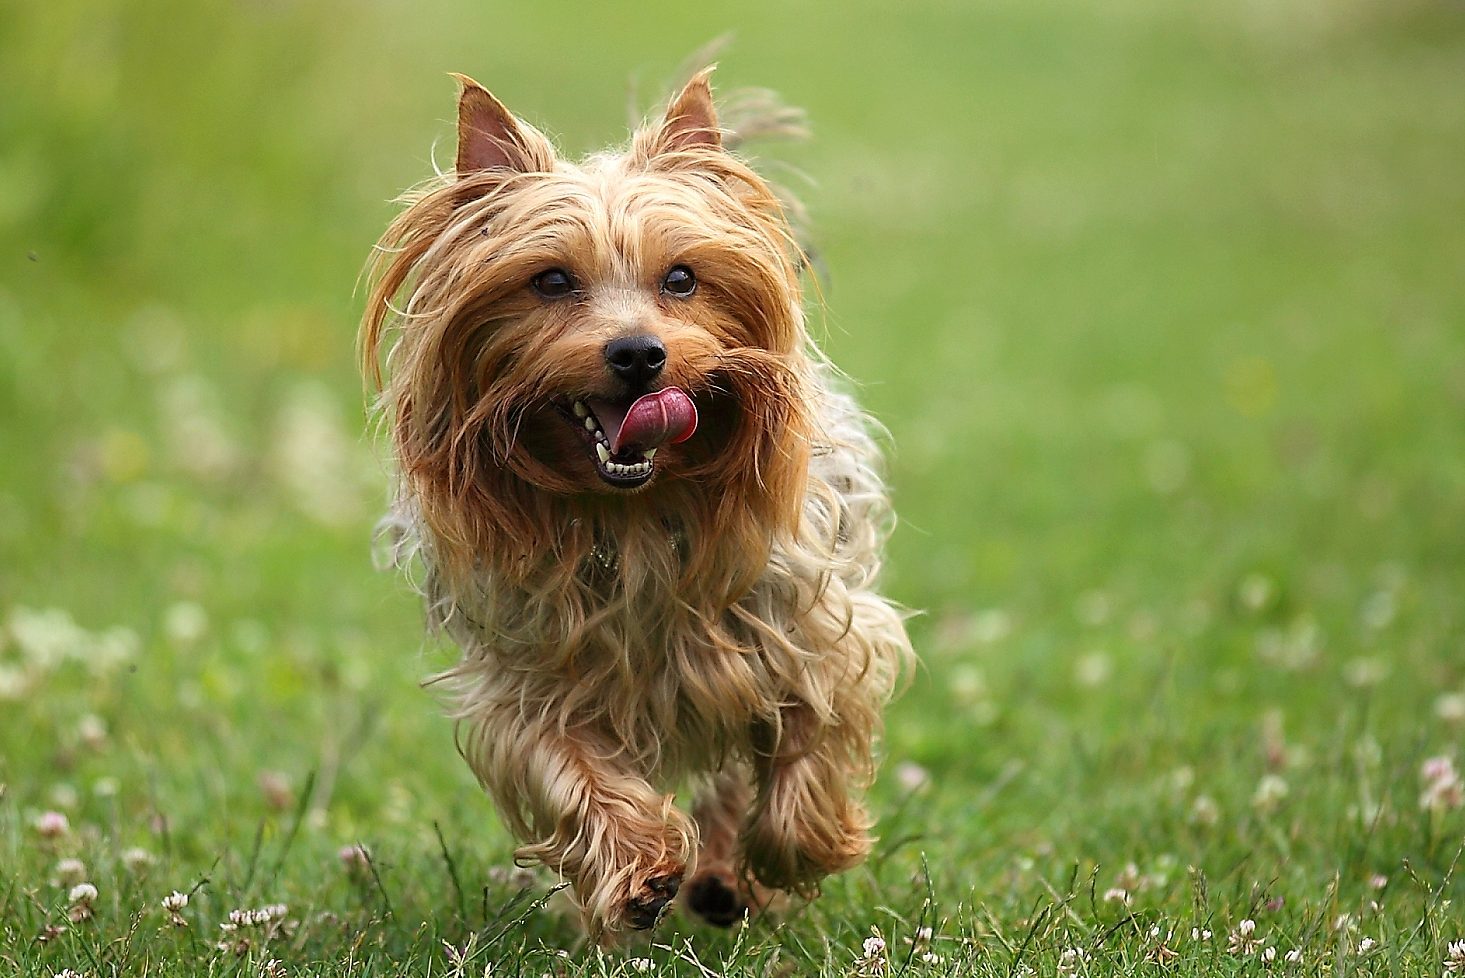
(621, 844)
(807, 822)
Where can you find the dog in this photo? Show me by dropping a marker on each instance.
(644, 506)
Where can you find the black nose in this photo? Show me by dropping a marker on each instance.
(636, 359)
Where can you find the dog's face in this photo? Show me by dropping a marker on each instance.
(626, 327)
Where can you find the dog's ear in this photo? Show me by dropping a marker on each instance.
(490, 137)
(691, 119)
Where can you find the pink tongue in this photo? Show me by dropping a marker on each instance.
(664, 418)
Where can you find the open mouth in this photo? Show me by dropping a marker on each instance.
(624, 439)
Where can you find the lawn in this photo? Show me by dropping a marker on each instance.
(1161, 303)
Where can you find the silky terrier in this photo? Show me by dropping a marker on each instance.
(643, 504)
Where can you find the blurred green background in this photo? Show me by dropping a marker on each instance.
(1161, 303)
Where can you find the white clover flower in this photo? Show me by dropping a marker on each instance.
(70, 872)
(1450, 707)
(52, 825)
(1293, 956)
(1196, 934)
(46, 638)
(640, 964)
(175, 901)
(1205, 811)
(91, 730)
(1443, 789)
(911, 776)
(1092, 669)
(1129, 878)
(1072, 960)
(185, 622)
(353, 856)
(1455, 958)
(874, 946)
(1243, 940)
(1118, 894)
(1269, 955)
(15, 683)
(136, 859)
(1365, 671)
(924, 933)
(1270, 791)
(81, 898)
(1366, 945)
(929, 957)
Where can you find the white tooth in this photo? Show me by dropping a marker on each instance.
(650, 454)
(603, 452)
(589, 424)
(581, 411)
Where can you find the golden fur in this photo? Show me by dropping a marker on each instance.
(721, 623)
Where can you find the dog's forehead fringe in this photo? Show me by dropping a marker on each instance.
(611, 210)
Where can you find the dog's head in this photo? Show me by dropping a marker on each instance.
(616, 341)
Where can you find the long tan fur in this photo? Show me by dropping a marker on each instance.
(720, 623)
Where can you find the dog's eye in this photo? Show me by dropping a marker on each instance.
(679, 282)
(553, 284)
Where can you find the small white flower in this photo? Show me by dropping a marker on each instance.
(1270, 791)
(70, 872)
(928, 957)
(91, 730)
(1072, 960)
(136, 859)
(1243, 940)
(354, 858)
(52, 825)
(1455, 957)
(1118, 894)
(1440, 768)
(82, 893)
(1366, 945)
(1293, 956)
(874, 946)
(175, 901)
(911, 776)
(1365, 671)
(185, 623)
(640, 964)
(1450, 707)
(1255, 592)
(1443, 789)
(924, 933)
(1204, 810)
(1269, 955)
(68, 973)
(1196, 934)
(1093, 669)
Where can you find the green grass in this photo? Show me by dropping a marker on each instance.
(1160, 302)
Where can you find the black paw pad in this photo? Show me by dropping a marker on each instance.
(715, 902)
(644, 910)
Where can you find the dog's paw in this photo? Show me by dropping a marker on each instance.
(649, 903)
(715, 897)
(794, 856)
